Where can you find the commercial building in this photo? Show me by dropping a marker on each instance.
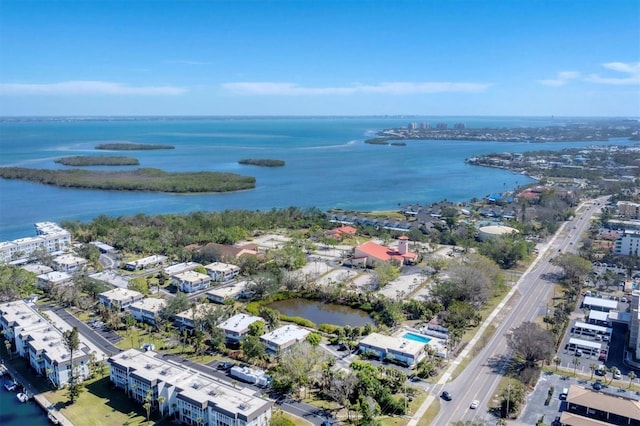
(222, 272)
(50, 238)
(236, 327)
(33, 337)
(196, 399)
(628, 209)
(397, 349)
(283, 338)
(588, 407)
(190, 281)
(147, 310)
(598, 304)
(119, 298)
(69, 263)
(628, 244)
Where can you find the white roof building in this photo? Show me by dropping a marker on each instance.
(599, 304)
(194, 397)
(147, 310)
(405, 351)
(50, 237)
(236, 327)
(219, 271)
(284, 337)
(191, 281)
(146, 262)
(233, 291)
(69, 263)
(54, 279)
(178, 268)
(119, 298)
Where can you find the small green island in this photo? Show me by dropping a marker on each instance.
(145, 179)
(262, 162)
(87, 160)
(131, 146)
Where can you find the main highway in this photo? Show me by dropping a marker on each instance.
(479, 379)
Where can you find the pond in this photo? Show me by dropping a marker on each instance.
(322, 313)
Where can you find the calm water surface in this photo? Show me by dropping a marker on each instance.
(328, 165)
(322, 313)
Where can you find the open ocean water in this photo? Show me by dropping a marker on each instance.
(328, 165)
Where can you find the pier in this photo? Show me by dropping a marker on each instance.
(37, 397)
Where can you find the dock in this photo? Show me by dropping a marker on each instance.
(43, 402)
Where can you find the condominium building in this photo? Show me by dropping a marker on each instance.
(50, 238)
(147, 310)
(222, 272)
(236, 327)
(228, 292)
(146, 262)
(179, 268)
(634, 323)
(283, 338)
(629, 209)
(404, 351)
(191, 281)
(69, 263)
(54, 279)
(195, 398)
(119, 298)
(35, 338)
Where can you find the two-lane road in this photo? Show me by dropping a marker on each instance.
(480, 378)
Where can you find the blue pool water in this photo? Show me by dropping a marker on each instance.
(417, 338)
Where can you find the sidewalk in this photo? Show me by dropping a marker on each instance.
(38, 398)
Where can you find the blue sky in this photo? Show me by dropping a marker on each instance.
(428, 57)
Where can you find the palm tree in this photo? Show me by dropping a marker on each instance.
(575, 362)
(7, 344)
(161, 400)
(593, 367)
(71, 339)
(632, 377)
(557, 360)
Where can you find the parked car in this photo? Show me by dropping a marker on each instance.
(617, 375)
(225, 366)
(446, 396)
(578, 352)
(597, 385)
(474, 404)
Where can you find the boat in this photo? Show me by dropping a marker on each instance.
(52, 418)
(22, 396)
(10, 385)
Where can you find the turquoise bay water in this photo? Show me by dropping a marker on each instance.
(328, 165)
(417, 338)
(13, 412)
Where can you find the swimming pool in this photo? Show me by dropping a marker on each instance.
(417, 338)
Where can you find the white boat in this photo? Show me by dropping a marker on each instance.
(10, 385)
(52, 418)
(22, 397)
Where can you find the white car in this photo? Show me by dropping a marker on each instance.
(617, 375)
(474, 404)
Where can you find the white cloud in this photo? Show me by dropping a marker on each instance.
(84, 87)
(390, 88)
(632, 69)
(562, 78)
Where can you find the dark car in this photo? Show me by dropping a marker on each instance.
(597, 385)
(446, 396)
(224, 366)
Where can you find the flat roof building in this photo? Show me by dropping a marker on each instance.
(193, 397)
(404, 351)
(50, 238)
(69, 263)
(146, 262)
(236, 327)
(179, 268)
(191, 281)
(33, 337)
(119, 298)
(222, 272)
(283, 338)
(54, 279)
(147, 310)
(228, 292)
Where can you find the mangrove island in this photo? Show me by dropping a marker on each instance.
(146, 179)
(262, 162)
(86, 160)
(131, 146)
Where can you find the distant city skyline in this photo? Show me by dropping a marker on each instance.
(422, 58)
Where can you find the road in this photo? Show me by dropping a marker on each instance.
(483, 373)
